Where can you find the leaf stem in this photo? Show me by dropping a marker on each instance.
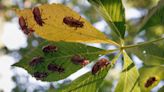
(114, 43)
(109, 51)
(116, 58)
(150, 14)
(140, 44)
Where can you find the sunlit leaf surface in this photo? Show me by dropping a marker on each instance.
(150, 54)
(154, 19)
(128, 81)
(113, 12)
(55, 29)
(62, 57)
(148, 72)
(88, 82)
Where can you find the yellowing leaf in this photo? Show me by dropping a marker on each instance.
(56, 30)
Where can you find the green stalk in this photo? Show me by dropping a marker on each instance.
(140, 44)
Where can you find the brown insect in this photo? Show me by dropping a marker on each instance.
(150, 81)
(37, 16)
(24, 26)
(70, 21)
(49, 49)
(77, 59)
(55, 68)
(99, 65)
(40, 75)
(85, 62)
(36, 60)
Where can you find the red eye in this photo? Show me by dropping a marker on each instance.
(36, 60)
(70, 21)
(99, 65)
(150, 81)
(49, 49)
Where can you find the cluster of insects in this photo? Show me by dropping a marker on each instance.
(99, 65)
(37, 16)
(72, 22)
(51, 67)
(68, 20)
(150, 81)
(77, 59)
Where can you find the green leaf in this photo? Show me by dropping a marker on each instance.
(89, 82)
(62, 58)
(161, 89)
(154, 18)
(113, 12)
(150, 54)
(141, 4)
(150, 71)
(128, 81)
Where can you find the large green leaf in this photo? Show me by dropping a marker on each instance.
(89, 82)
(62, 58)
(113, 12)
(150, 54)
(147, 72)
(154, 18)
(128, 81)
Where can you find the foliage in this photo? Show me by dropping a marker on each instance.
(70, 38)
(128, 81)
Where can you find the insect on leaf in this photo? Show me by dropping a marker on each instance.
(55, 64)
(88, 82)
(150, 77)
(57, 22)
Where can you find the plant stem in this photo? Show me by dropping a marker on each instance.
(140, 44)
(109, 51)
(115, 58)
(113, 42)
